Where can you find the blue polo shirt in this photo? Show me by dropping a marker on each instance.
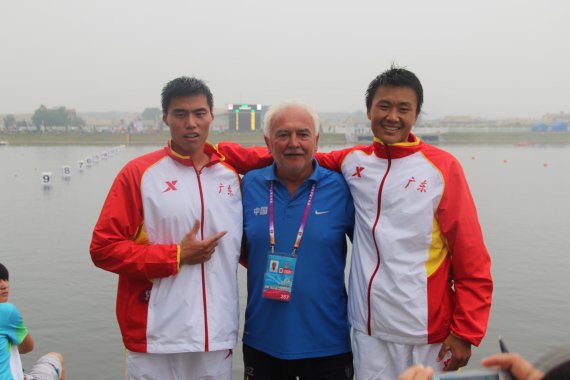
(314, 322)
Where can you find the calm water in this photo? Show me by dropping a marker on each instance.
(522, 194)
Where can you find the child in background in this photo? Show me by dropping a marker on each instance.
(15, 340)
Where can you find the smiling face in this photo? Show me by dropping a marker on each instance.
(189, 119)
(292, 140)
(4, 290)
(393, 113)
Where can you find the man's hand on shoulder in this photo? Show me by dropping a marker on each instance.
(460, 352)
(195, 251)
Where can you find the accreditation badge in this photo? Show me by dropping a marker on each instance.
(278, 282)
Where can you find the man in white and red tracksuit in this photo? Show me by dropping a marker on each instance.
(420, 283)
(171, 227)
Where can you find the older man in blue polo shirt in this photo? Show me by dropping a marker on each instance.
(296, 218)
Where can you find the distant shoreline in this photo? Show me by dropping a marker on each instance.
(248, 139)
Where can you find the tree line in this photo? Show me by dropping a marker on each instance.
(56, 117)
(63, 117)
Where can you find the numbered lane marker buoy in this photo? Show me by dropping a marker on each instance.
(66, 172)
(47, 178)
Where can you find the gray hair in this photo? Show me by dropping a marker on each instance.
(273, 110)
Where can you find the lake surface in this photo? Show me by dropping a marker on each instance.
(522, 195)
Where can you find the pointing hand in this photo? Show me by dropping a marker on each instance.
(195, 251)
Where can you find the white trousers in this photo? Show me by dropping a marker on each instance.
(376, 359)
(214, 365)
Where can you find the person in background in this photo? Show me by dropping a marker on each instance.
(420, 282)
(15, 339)
(171, 228)
(296, 219)
(557, 367)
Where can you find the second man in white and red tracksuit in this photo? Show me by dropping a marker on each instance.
(420, 283)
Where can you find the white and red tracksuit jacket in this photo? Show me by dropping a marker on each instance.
(153, 203)
(420, 269)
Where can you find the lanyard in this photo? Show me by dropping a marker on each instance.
(301, 227)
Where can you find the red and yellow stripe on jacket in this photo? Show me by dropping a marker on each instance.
(152, 204)
(420, 269)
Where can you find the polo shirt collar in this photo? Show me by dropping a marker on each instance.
(269, 174)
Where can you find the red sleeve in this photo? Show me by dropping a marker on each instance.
(119, 242)
(244, 159)
(470, 261)
(333, 160)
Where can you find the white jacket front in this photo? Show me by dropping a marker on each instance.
(153, 203)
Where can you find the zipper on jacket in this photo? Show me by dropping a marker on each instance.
(203, 269)
(379, 203)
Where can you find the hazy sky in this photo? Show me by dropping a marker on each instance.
(488, 58)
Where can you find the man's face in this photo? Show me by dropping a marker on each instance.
(292, 142)
(4, 290)
(393, 113)
(189, 119)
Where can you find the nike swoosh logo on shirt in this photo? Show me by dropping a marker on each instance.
(321, 212)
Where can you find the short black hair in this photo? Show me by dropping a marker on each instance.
(560, 372)
(185, 86)
(556, 364)
(4, 275)
(398, 77)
